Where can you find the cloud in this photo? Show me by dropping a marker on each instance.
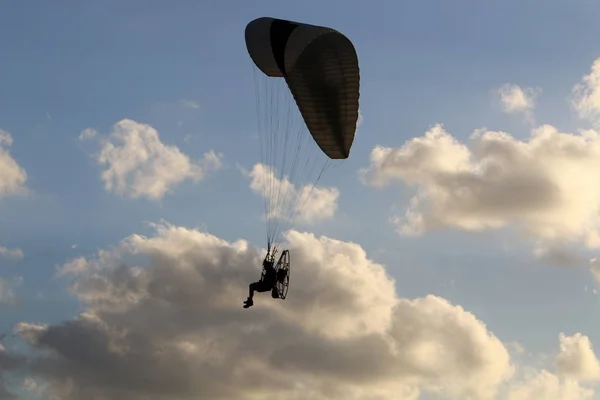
(547, 185)
(140, 165)
(33, 387)
(575, 364)
(7, 290)
(12, 175)
(595, 269)
(360, 119)
(75, 266)
(586, 94)
(5, 138)
(190, 104)
(515, 347)
(515, 99)
(15, 254)
(87, 134)
(577, 359)
(558, 254)
(311, 203)
(163, 319)
(545, 385)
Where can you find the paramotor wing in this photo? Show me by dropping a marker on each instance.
(307, 85)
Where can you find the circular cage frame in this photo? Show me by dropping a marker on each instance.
(283, 278)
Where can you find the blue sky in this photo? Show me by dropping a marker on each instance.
(68, 66)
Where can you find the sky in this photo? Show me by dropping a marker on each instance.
(453, 255)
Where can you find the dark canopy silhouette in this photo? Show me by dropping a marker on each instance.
(318, 66)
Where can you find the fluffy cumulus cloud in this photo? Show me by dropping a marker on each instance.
(514, 99)
(576, 366)
(548, 185)
(577, 359)
(138, 164)
(544, 385)
(586, 94)
(12, 175)
(163, 319)
(305, 204)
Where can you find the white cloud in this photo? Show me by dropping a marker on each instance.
(360, 119)
(577, 359)
(548, 185)
(140, 165)
(586, 94)
(575, 363)
(595, 269)
(313, 203)
(75, 266)
(433, 350)
(190, 104)
(7, 290)
(15, 254)
(544, 385)
(515, 99)
(12, 175)
(87, 134)
(342, 333)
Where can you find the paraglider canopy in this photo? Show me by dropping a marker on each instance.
(307, 90)
(320, 67)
